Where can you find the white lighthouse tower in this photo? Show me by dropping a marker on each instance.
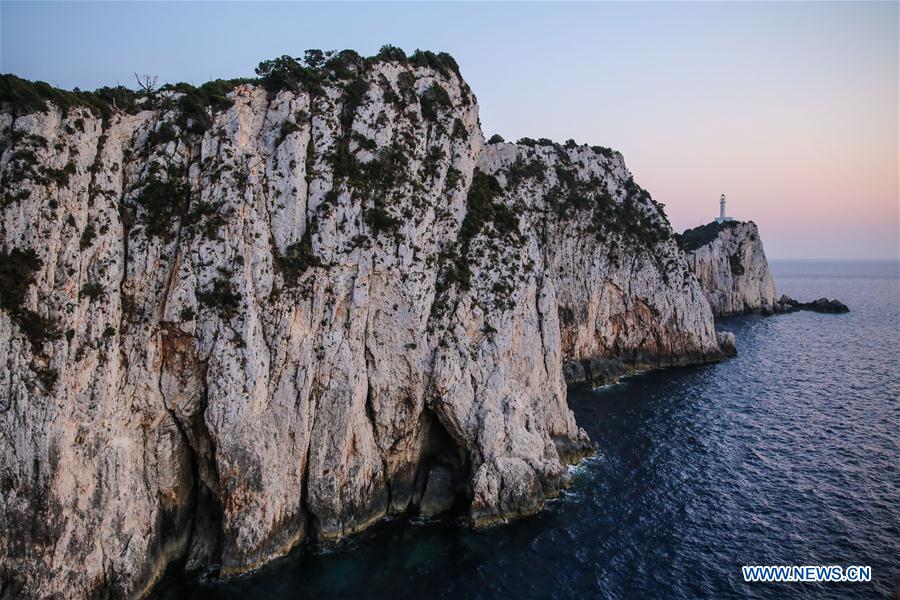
(722, 216)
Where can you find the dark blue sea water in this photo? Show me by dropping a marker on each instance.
(787, 454)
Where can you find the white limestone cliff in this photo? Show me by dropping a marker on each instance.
(625, 296)
(295, 312)
(730, 263)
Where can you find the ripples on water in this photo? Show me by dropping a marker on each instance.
(787, 454)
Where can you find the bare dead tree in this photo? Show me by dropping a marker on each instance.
(147, 83)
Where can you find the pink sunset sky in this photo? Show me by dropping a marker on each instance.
(789, 108)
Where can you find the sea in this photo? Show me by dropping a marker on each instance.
(788, 454)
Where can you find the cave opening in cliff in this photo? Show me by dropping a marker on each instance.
(443, 478)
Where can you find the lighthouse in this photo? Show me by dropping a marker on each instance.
(722, 217)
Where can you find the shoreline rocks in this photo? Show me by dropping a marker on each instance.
(727, 343)
(786, 304)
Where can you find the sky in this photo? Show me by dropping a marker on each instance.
(790, 108)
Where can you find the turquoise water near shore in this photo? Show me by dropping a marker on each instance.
(786, 454)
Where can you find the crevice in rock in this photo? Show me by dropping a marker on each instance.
(539, 289)
(370, 415)
(205, 546)
(305, 508)
(195, 530)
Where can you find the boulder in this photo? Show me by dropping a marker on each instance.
(726, 343)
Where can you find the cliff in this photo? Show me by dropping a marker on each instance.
(625, 295)
(730, 263)
(241, 315)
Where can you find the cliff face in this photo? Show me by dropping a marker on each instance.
(625, 297)
(297, 308)
(730, 263)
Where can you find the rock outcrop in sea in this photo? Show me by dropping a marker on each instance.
(787, 304)
(238, 316)
(730, 263)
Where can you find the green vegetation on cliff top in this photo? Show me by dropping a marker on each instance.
(283, 73)
(694, 238)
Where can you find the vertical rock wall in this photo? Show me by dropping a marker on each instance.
(626, 299)
(290, 312)
(730, 263)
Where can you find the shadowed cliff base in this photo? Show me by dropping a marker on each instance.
(596, 372)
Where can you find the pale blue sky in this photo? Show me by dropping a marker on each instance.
(789, 108)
